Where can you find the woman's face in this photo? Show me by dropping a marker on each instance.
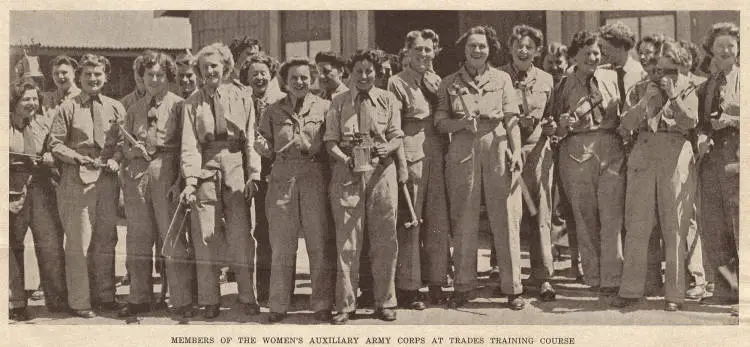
(666, 68)
(260, 75)
(524, 51)
(155, 80)
(212, 70)
(725, 51)
(588, 58)
(363, 74)
(62, 75)
(93, 79)
(298, 80)
(421, 54)
(477, 50)
(187, 79)
(28, 104)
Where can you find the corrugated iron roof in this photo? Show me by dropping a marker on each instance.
(99, 29)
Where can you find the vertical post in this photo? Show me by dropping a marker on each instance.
(336, 32)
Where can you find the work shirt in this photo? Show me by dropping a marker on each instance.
(76, 131)
(535, 86)
(576, 95)
(720, 93)
(658, 114)
(232, 103)
(343, 119)
(329, 96)
(55, 98)
(156, 125)
(132, 98)
(490, 96)
(295, 133)
(26, 138)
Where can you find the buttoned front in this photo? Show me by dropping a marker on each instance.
(490, 96)
(199, 128)
(343, 118)
(295, 134)
(533, 92)
(167, 118)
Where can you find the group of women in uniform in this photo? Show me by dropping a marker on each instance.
(381, 176)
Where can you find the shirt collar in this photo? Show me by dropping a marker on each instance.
(370, 93)
(412, 75)
(72, 91)
(481, 79)
(86, 97)
(307, 102)
(514, 74)
(18, 122)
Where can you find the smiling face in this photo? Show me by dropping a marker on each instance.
(62, 75)
(477, 50)
(588, 58)
(666, 68)
(421, 53)
(298, 80)
(155, 79)
(363, 75)
(524, 51)
(260, 75)
(212, 69)
(28, 104)
(725, 51)
(329, 77)
(93, 79)
(187, 79)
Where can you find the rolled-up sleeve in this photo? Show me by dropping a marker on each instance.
(191, 147)
(394, 124)
(510, 96)
(333, 121)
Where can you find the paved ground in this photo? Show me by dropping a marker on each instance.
(575, 305)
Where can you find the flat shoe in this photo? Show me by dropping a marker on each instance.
(515, 302)
(385, 314)
(84, 313)
(211, 311)
(340, 318)
(672, 306)
(275, 317)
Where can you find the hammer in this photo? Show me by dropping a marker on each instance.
(414, 220)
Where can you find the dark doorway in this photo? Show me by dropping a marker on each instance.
(391, 28)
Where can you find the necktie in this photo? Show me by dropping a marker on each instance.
(220, 121)
(595, 102)
(429, 92)
(621, 86)
(152, 120)
(96, 116)
(364, 112)
(721, 81)
(260, 107)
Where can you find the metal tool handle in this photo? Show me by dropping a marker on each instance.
(414, 220)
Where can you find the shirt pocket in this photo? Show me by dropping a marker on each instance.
(491, 103)
(284, 130)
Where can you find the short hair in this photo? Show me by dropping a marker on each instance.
(695, 54)
(151, 58)
(271, 62)
(556, 49)
(489, 33)
(655, 39)
(240, 44)
(18, 89)
(94, 60)
(720, 29)
(220, 49)
(427, 34)
(64, 60)
(292, 62)
(676, 52)
(372, 55)
(618, 34)
(582, 39)
(331, 58)
(185, 59)
(519, 31)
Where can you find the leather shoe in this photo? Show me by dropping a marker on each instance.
(437, 297)
(409, 299)
(211, 311)
(133, 309)
(697, 292)
(516, 302)
(275, 317)
(84, 313)
(385, 314)
(621, 302)
(672, 306)
(251, 309)
(18, 314)
(547, 293)
(323, 316)
(340, 318)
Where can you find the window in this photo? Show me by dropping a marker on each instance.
(305, 33)
(644, 23)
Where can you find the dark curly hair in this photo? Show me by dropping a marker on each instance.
(64, 60)
(240, 44)
(151, 58)
(427, 34)
(372, 55)
(291, 62)
(582, 39)
(720, 29)
(331, 58)
(618, 35)
(519, 31)
(489, 33)
(695, 54)
(655, 39)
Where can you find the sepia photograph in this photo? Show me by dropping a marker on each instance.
(388, 168)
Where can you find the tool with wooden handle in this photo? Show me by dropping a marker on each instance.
(527, 198)
(175, 230)
(414, 220)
